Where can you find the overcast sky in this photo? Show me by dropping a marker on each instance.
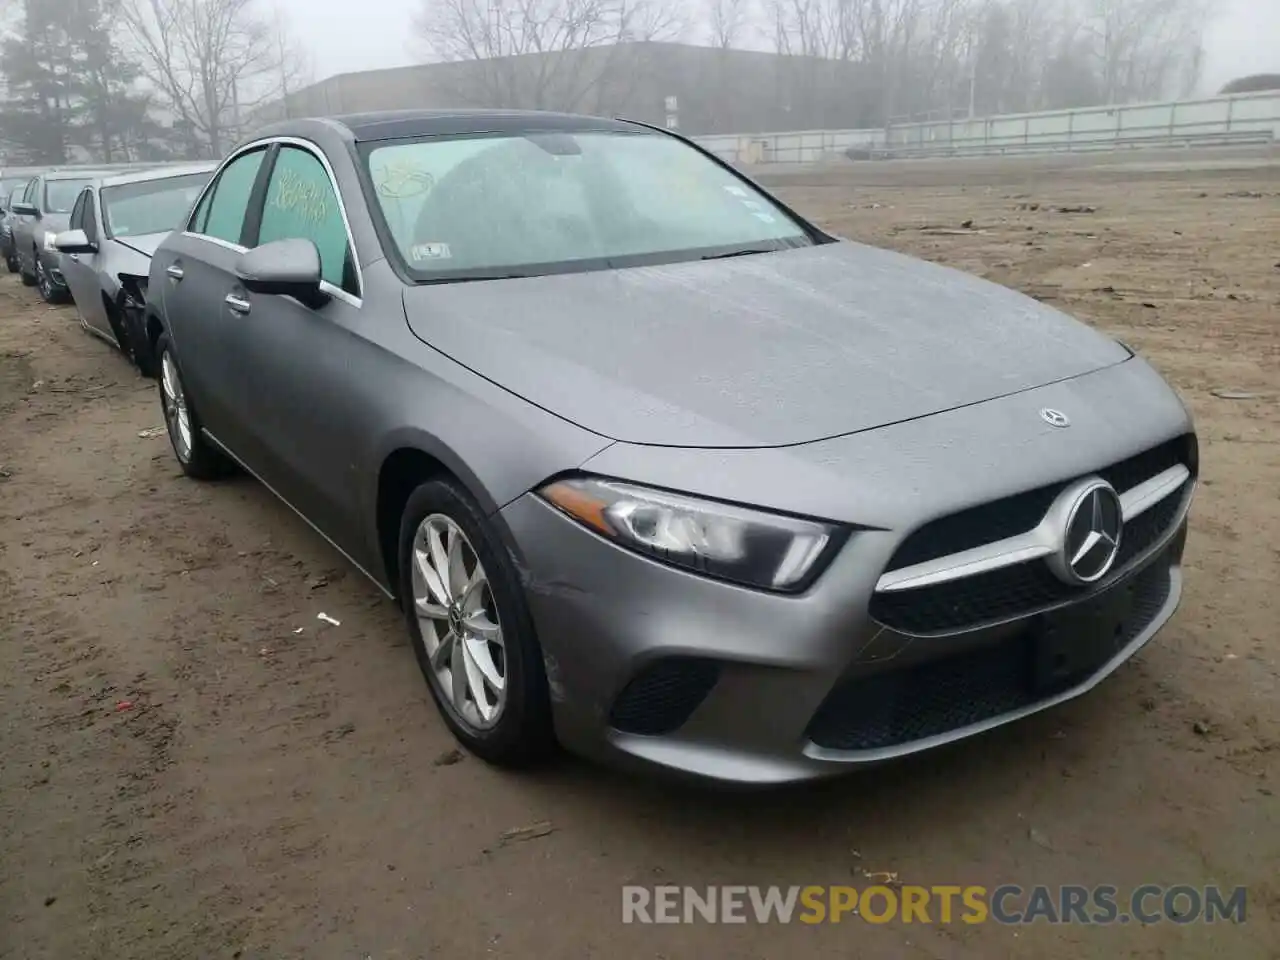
(349, 35)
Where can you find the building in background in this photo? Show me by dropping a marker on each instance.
(698, 90)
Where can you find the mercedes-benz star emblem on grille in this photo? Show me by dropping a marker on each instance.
(1055, 418)
(1094, 521)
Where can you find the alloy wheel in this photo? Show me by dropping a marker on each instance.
(176, 417)
(42, 280)
(459, 621)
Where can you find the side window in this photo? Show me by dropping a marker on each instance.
(225, 216)
(77, 212)
(200, 217)
(90, 215)
(302, 203)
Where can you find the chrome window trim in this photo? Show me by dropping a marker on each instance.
(355, 300)
(1041, 541)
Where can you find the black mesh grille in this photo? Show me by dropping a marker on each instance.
(1018, 514)
(663, 695)
(1010, 592)
(887, 710)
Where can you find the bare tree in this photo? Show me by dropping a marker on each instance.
(538, 53)
(727, 18)
(293, 63)
(212, 63)
(935, 58)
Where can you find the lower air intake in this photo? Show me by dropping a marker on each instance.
(662, 696)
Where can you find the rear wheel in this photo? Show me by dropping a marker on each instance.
(198, 458)
(28, 278)
(471, 628)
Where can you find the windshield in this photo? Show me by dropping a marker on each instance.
(151, 206)
(512, 204)
(60, 195)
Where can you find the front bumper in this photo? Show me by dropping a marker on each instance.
(660, 667)
(653, 665)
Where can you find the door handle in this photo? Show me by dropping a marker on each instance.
(175, 272)
(74, 256)
(237, 303)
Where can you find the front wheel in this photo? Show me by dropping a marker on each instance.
(198, 458)
(471, 629)
(50, 292)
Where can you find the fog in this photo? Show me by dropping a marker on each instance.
(1243, 37)
(154, 80)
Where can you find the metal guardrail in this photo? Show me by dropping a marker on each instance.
(979, 148)
(1243, 118)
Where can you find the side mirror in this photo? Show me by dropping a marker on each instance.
(74, 241)
(288, 268)
(24, 209)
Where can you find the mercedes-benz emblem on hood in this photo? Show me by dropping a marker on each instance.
(1055, 418)
(1092, 523)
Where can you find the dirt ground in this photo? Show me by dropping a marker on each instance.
(192, 765)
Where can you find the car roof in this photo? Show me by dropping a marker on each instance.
(88, 174)
(396, 124)
(158, 173)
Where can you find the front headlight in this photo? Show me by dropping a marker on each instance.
(51, 242)
(733, 543)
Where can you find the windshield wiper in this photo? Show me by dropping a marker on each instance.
(476, 278)
(740, 253)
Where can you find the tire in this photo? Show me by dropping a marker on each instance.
(198, 458)
(521, 735)
(49, 291)
(28, 279)
(11, 262)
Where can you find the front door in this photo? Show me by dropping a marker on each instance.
(294, 358)
(23, 227)
(80, 270)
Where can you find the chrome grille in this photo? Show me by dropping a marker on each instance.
(987, 565)
(1008, 516)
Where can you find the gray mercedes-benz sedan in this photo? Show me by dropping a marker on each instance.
(656, 468)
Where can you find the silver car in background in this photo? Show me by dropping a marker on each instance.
(44, 211)
(655, 467)
(114, 228)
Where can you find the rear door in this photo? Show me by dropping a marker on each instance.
(192, 273)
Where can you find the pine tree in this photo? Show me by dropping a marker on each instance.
(69, 86)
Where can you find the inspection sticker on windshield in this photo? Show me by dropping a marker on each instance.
(430, 251)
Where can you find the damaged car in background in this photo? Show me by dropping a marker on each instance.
(115, 227)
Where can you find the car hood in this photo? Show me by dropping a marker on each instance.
(55, 222)
(762, 350)
(143, 243)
